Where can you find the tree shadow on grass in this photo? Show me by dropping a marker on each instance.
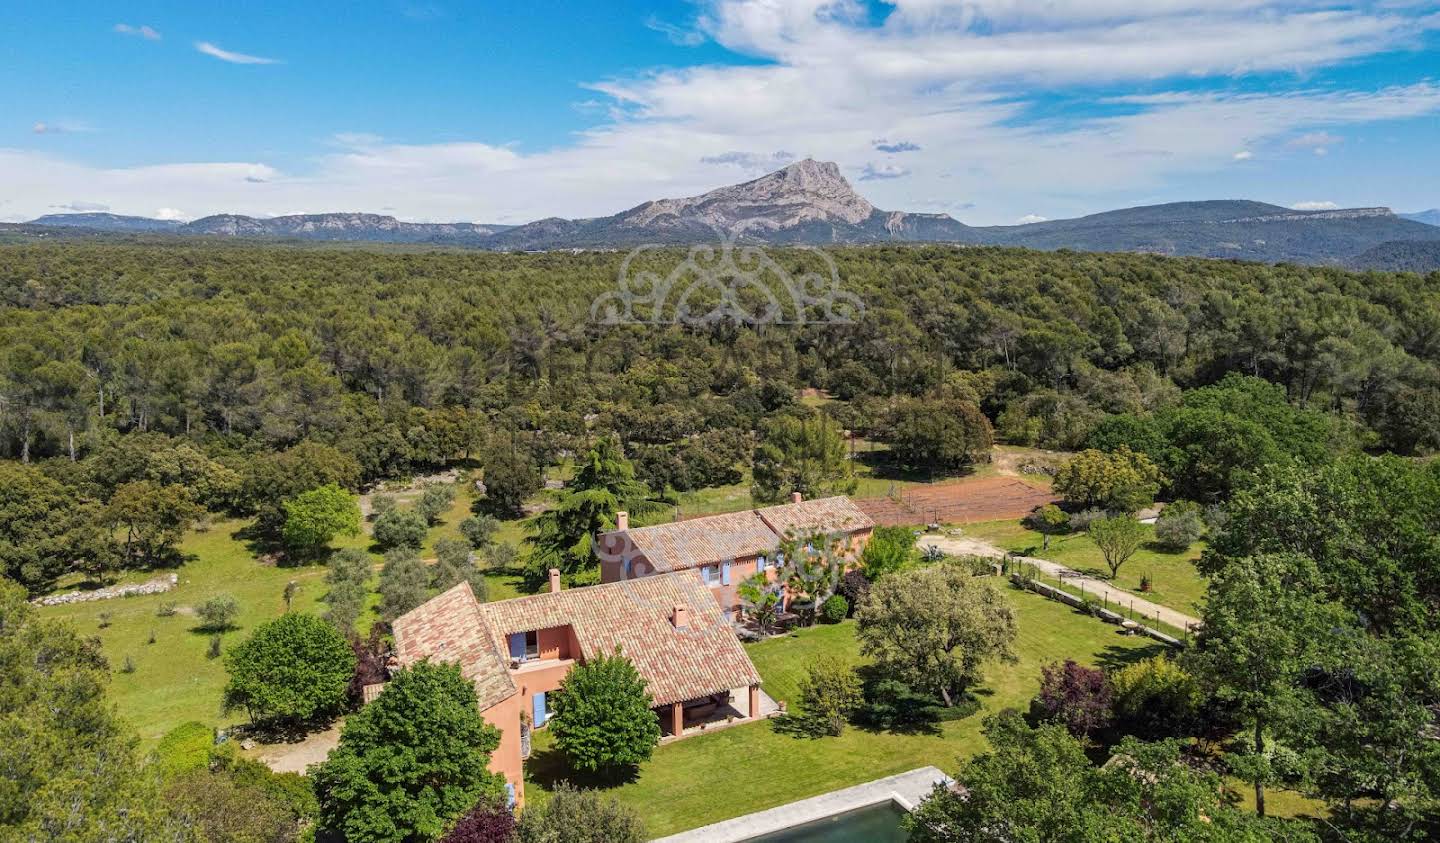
(1114, 656)
(548, 767)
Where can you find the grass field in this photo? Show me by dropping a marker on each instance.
(174, 679)
(1174, 581)
(748, 768)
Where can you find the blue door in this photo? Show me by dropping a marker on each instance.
(725, 572)
(517, 646)
(540, 712)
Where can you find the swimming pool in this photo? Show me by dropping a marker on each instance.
(875, 824)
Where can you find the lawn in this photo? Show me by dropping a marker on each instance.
(174, 680)
(708, 778)
(1174, 581)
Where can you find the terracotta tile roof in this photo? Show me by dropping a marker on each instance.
(714, 538)
(678, 664)
(700, 541)
(822, 515)
(449, 628)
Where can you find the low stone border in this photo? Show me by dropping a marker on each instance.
(158, 585)
(1050, 591)
(906, 790)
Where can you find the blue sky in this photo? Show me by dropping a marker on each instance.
(990, 110)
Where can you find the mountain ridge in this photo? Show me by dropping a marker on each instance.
(811, 203)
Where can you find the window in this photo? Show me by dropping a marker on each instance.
(710, 574)
(760, 565)
(525, 646)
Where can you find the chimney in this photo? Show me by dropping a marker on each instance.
(622, 520)
(554, 580)
(680, 617)
(796, 497)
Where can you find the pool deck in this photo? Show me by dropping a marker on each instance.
(904, 789)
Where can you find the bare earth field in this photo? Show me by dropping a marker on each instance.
(964, 501)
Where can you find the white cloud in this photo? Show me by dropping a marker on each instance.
(170, 214)
(142, 31)
(81, 207)
(58, 127)
(234, 58)
(682, 36)
(953, 79)
(1029, 218)
(1314, 206)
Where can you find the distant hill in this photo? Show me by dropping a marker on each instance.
(1400, 256)
(1430, 217)
(331, 227)
(811, 203)
(808, 202)
(107, 222)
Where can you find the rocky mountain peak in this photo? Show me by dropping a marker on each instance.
(805, 191)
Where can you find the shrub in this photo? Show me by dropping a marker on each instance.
(479, 530)
(166, 610)
(830, 694)
(855, 588)
(219, 612)
(400, 528)
(404, 583)
(1155, 698)
(434, 501)
(1081, 521)
(602, 718)
(488, 822)
(128, 666)
(381, 504)
(1121, 481)
(296, 667)
(1077, 696)
(887, 551)
(835, 609)
(1180, 525)
(213, 650)
(580, 816)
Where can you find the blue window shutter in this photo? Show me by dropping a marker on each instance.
(517, 645)
(760, 564)
(725, 572)
(539, 701)
(629, 569)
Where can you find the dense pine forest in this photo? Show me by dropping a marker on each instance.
(236, 372)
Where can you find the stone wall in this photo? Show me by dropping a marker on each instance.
(158, 585)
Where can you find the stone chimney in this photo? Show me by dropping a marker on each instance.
(680, 617)
(554, 580)
(622, 520)
(796, 497)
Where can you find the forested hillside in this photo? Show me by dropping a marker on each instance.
(223, 370)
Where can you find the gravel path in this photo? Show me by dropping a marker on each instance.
(1096, 589)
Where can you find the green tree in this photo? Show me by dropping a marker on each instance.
(1155, 697)
(314, 518)
(939, 434)
(511, 477)
(1264, 625)
(296, 667)
(151, 520)
(935, 627)
(347, 579)
(1049, 520)
(1119, 481)
(580, 816)
(888, 550)
(830, 694)
(801, 455)
(70, 767)
(1038, 785)
(479, 530)
(434, 501)
(1118, 537)
(404, 583)
(602, 719)
(400, 529)
(811, 572)
(455, 563)
(604, 484)
(411, 762)
(44, 526)
(270, 479)
(761, 601)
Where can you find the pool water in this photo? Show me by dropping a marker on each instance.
(875, 824)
